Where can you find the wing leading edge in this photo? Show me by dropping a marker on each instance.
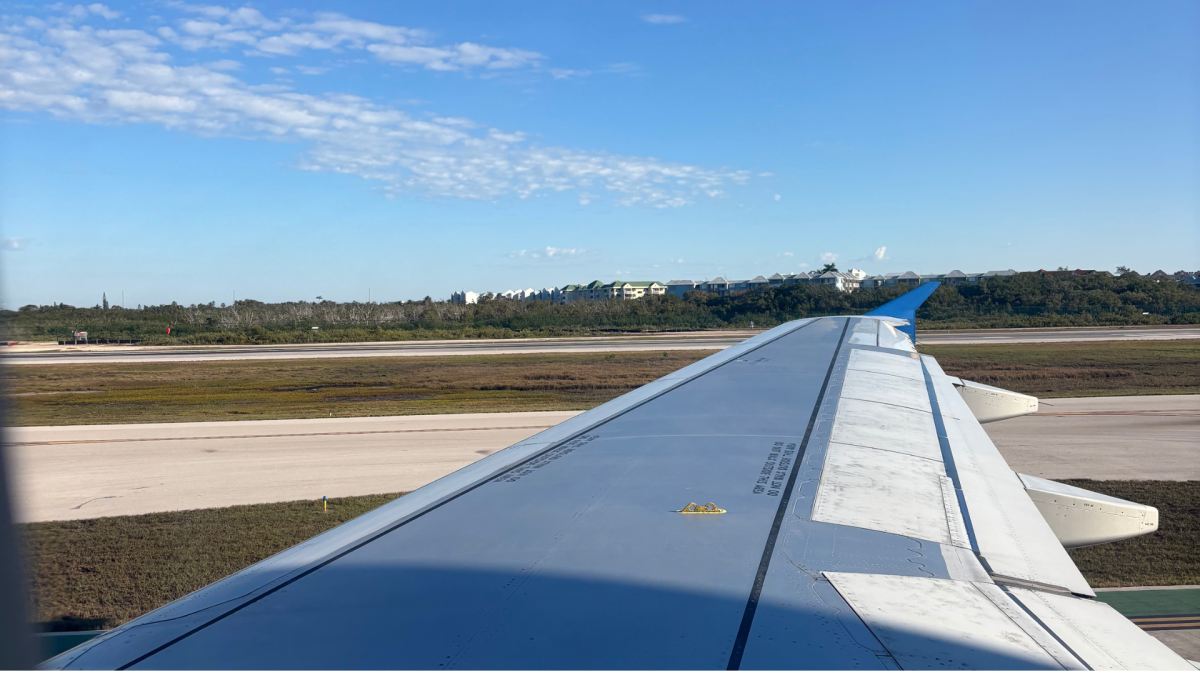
(869, 523)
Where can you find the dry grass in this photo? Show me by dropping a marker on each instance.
(97, 574)
(306, 388)
(294, 389)
(1168, 557)
(1056, 370)
(92, 574)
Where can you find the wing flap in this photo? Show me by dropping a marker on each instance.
(882, 491)
(1097, 634)
(938, 624)
(1010, 532)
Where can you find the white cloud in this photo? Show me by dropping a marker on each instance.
(102, 10)
(548, 252)
(787, 255)
(214, 27)
(829, 257)
(14, 244)
(663, 18)
(566, 74)
(225, 64)
(311, 70)
(93, 75)
(875, 256)
(777, 197)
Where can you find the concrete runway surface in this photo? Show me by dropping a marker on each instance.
(1105, 438)
(77, 472)
(63, 355)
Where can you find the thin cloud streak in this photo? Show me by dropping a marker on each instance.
(663, 18)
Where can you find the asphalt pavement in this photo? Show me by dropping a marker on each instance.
(1105, 438)
(697, 340)
(78, 472)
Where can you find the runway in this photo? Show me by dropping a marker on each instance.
(65, 355)
(1029, 335)
(79, 472)
(1105, 438)
(697, 340)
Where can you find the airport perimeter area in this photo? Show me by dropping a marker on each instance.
(75, 473)
(143, 480)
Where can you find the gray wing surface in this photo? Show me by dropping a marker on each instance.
(869, 523)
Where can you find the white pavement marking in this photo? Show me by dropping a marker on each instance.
(1105, 438)
(76, 472)
(64, 355)
(1031, 335)
(23, 355)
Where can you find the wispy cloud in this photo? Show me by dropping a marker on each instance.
(74, 71)
(14, 244)
(566, 74)
(81, 12)
(829, 257)
(548, 252)
(663, 18)
(875, 256)
(256, 34)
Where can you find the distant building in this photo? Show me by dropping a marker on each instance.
(844, 281)
(839, 280)
(717, 285)
(464, 298)
(632, 290)
(617, 290)
(681, 286)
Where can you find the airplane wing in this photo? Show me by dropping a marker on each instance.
(819, 496)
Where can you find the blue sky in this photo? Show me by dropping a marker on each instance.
(172, 151)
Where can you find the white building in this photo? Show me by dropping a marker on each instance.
(464, 298)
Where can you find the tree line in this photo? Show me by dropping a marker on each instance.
(1030, 299)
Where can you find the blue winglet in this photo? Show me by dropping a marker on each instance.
(905, 307)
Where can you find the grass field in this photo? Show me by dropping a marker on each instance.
(98, 574)
(93, 574)
(294, 389)
(1168, 557)
(1069, 369)
(306, 388)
